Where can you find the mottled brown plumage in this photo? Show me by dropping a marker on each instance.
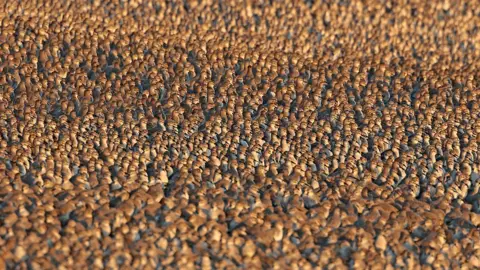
(239, 134)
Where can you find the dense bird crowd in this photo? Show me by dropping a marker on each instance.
(239, 134)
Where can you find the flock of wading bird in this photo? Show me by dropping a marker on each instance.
(239, 134)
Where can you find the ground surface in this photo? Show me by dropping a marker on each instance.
(232, 134)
